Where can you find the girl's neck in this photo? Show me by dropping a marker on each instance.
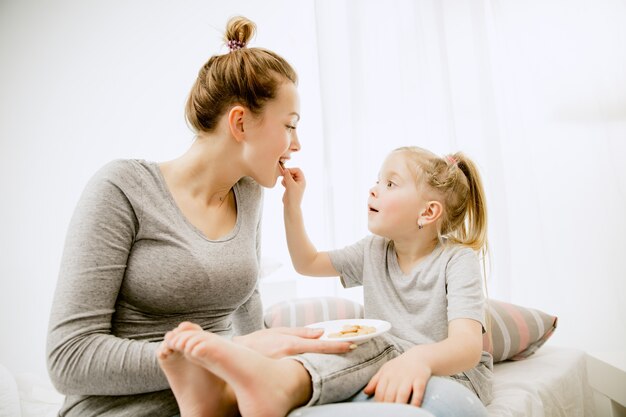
(412, 252)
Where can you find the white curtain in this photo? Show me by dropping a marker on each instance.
(535, 92)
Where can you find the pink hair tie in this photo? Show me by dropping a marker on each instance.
(451, 160)
(235, 45)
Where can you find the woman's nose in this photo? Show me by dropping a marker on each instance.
(373, 191)
(295, 143)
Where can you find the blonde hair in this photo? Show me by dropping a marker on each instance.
(455, 180)
(247, 76)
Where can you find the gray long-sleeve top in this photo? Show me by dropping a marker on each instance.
(132, 269)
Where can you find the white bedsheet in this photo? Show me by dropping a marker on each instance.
(550, 383)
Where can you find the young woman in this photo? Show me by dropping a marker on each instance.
(153, 244)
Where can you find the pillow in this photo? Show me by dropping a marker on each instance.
(516, 332)
(302, 311)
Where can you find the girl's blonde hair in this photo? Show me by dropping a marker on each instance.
(454, 179)
(247, 76)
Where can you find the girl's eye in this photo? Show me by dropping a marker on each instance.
(289, 127)
(389, 184)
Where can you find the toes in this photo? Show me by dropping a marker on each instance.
(187, 325)
(163, 352)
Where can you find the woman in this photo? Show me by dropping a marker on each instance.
(151, 245)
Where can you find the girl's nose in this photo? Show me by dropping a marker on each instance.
(373, 191)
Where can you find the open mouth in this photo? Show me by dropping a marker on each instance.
(372, 209)
(281, 162)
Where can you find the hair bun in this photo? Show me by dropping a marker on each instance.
(239, 31)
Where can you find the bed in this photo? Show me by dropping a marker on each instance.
(543, 381)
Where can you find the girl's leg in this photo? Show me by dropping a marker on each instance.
(263, 387)
(198, 392)
(444, 397)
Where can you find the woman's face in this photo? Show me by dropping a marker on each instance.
(272, 136)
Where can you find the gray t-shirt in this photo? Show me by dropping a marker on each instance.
(444, 286)
(133, 268)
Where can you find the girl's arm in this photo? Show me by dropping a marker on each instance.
(304, 256)
(406, 376)
(459, 352)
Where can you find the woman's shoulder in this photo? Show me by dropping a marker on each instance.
(124, 172)
(118, 169)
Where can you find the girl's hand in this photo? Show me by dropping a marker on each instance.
(279, 342)
(399, 380)
(294, 183)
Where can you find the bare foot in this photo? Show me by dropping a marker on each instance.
(263, 387)
(198, 392)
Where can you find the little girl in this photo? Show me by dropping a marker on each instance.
(420, 272)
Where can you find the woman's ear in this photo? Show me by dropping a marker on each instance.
(431, 213)
(235, 122)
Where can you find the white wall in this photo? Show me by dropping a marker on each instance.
(85, 82)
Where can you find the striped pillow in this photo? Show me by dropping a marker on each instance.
(516, 332)
(303, 311)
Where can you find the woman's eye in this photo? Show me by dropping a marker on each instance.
(289, 127)
(389, 184)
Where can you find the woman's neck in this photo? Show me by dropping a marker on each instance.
(207, 171)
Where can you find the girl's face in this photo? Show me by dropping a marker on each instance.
(273, 136)
(395, 201)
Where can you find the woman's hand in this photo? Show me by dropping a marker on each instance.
(279, 342)
(294, 183)
(400, 379)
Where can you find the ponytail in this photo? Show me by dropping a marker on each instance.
(470, 228)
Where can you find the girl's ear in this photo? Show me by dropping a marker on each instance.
(235, 122)
(431, 213)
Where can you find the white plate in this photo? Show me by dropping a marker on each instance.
(334, 326)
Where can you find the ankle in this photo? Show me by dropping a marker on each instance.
(300, 386)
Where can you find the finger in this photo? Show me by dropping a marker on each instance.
(370, 388)
(418, 394)
(287, 175)
(403, 394)
(295, 173)
(319, 346)
(390, 392)
(381, 389)
(305, 332)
